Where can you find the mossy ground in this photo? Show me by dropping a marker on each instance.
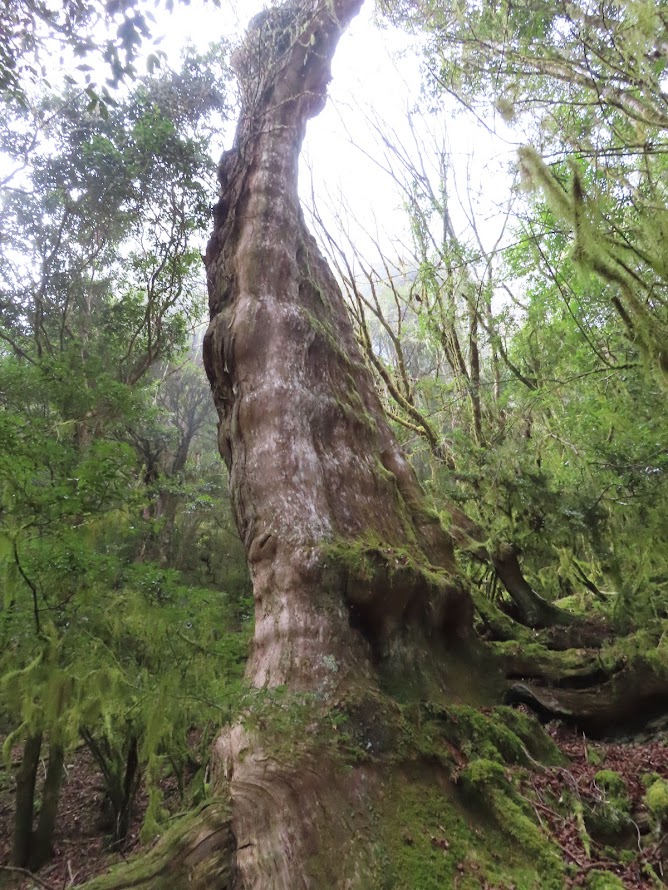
(429, 838)
(445, 812)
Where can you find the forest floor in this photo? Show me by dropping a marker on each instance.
(81, 849)
(631, 850)
(558, 797)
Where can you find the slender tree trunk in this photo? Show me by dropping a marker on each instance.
(25, 800)
(128, 790)
(42, 847)
(353, 575)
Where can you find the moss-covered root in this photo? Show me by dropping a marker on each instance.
(196, 853)
(484, 782)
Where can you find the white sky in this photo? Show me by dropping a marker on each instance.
(376, 71)
(373, 68)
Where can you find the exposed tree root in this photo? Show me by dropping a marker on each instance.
(197, 853)
(571, 668)
(627, 702)
(498, 626)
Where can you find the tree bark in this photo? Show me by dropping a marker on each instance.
(25, 800)
(42, 846)
(353, 575)
(314, 467)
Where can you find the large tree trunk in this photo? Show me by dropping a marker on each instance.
(353, 575)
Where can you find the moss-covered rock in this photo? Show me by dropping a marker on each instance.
(656, 801)
(608, 818)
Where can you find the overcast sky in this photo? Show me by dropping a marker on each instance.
(375, 70)
(377, 74)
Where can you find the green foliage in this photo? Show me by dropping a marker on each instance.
(106, 633)
(34, 32)
(539, 405)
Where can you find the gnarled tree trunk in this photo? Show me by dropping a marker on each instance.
(353, 575)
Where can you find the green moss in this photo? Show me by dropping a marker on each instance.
(594, 756)
(485, 783)
(532, 659)
(370, 569)
(527, 728)
(481, 773)
(608, 818)
(573, 603)
(502, 735)
(647, 649)
(499, 734)
(603, 880)
(325, 332)
(427, 840)
(649, 779)
(656, 801)
(421, 830)
(613, 785)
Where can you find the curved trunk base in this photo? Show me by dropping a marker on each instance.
(362, 794)
(196, 854)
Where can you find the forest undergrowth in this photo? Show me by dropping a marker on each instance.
(605, 808)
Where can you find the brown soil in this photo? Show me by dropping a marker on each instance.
(553, 790)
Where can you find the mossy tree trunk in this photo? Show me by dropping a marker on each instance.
(317, 479)
(352, 572)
